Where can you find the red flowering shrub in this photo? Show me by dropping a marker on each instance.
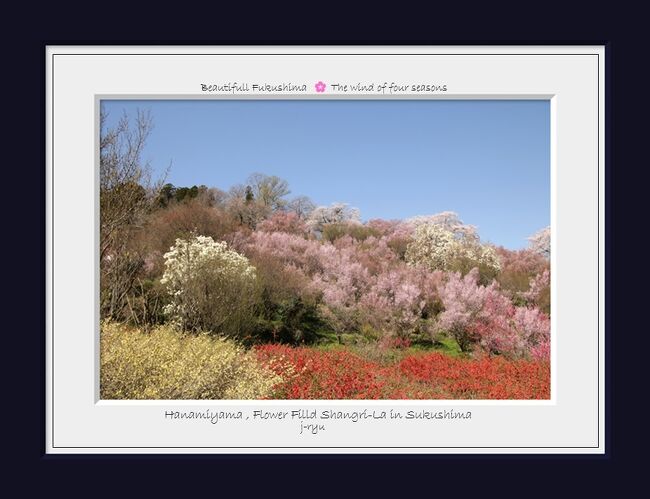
(341, 374)
(314, 374)
(486, 378)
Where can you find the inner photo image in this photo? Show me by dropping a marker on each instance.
(324, 249)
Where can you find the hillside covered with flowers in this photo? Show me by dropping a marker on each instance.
(250, 293)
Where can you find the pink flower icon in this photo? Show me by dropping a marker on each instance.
(320, 87)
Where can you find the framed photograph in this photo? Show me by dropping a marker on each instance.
(325, 250)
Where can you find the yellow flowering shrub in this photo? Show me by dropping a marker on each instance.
(167, 364)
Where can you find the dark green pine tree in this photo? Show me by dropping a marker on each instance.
(249, 194)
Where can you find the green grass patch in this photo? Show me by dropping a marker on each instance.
(448, 346)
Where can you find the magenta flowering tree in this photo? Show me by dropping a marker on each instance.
(481, 317)
(282, 221)
(373, 253)
(538, 285)
(365, 282)
(358, 281)
(541, 351)
(400, 299)
(333, 272)
(524, 261)
(463, 300)
(393, 303)
(383, 227)
(290, 249)
(517, 270)
(534, 329)
(342, 281)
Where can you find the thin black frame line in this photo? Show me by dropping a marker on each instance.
(325, 54)
(52, 263)
(304, 447)
(598, 247)
(321, 447)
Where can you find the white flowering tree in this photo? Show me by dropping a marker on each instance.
(438, 248)
(450, 221)
(211, 287)
(540, 242)
(433, 246)
(336, 213)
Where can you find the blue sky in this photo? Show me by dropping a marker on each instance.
(489, 161)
